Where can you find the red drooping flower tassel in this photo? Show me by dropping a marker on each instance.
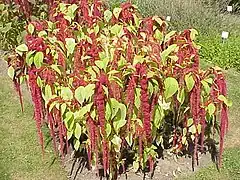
(18, 89)
(195, 106)
(145, 107)
(130, 98)
(100, 105)
(37, 101)
(61, 134)
(203, 126)
(222, 89)
(52, 131)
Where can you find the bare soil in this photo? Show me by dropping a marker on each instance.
(171, 167)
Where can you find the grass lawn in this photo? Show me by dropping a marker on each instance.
(20, 153)
(231, 156)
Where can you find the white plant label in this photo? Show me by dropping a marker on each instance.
(229, 8)
(168, 18)
(225, 34)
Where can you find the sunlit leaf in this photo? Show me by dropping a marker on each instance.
(171, 87)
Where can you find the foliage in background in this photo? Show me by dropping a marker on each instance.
(13, 19)
(12, 26)
(112, 83)
(224, 53)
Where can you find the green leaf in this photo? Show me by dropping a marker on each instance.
(70, 45)
(181, 96)
(193, 34)
(169, 36)
(107, 15)
(99, 64)
(123, 109)
(116, 12)
(189, 122)
(89, 91)
(158, 116)
(158, 20)
(38, 59)
(164, 55)
(206, 86)
(63, 108)
(119, 124)
(117, 141)
(48, 93)
(56, 68)
(158, 35)
(199, 128)
(108, 129)
(136, 166)
(129, 139)
(171, 87)
(211, 109)
(79, 94)
(42, 34)
(69, 134)
(136, 20)
(66, 93)
(29, 58)
(108, 112)
(21, 48)
(76, 144)
(83, 111)
(116, 29)
(114, 107)
(189, 82)
(77, 131)
(137, 98)
(192, 129)
(11, 72)
(138, 59)
(39, 82)
(31, 28)
(225, 100)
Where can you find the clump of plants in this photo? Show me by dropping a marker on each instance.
(114, 85)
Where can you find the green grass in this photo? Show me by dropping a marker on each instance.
(224, 54)
(20, 153)
(229, 171)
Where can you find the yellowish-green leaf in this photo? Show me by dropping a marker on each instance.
(11, 72)
(189, 82)
(171, 87)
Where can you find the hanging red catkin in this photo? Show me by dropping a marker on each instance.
(130, 98)
(195, 98)
(58, 119)
(37, 101)
(100, 105)
(92, 137)
(18, 89)
(220, 82)
(129, 52)
(78, 65)
(151, 164)
(145, 107)
(61, 60)
(203, 126)
(52, 132)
